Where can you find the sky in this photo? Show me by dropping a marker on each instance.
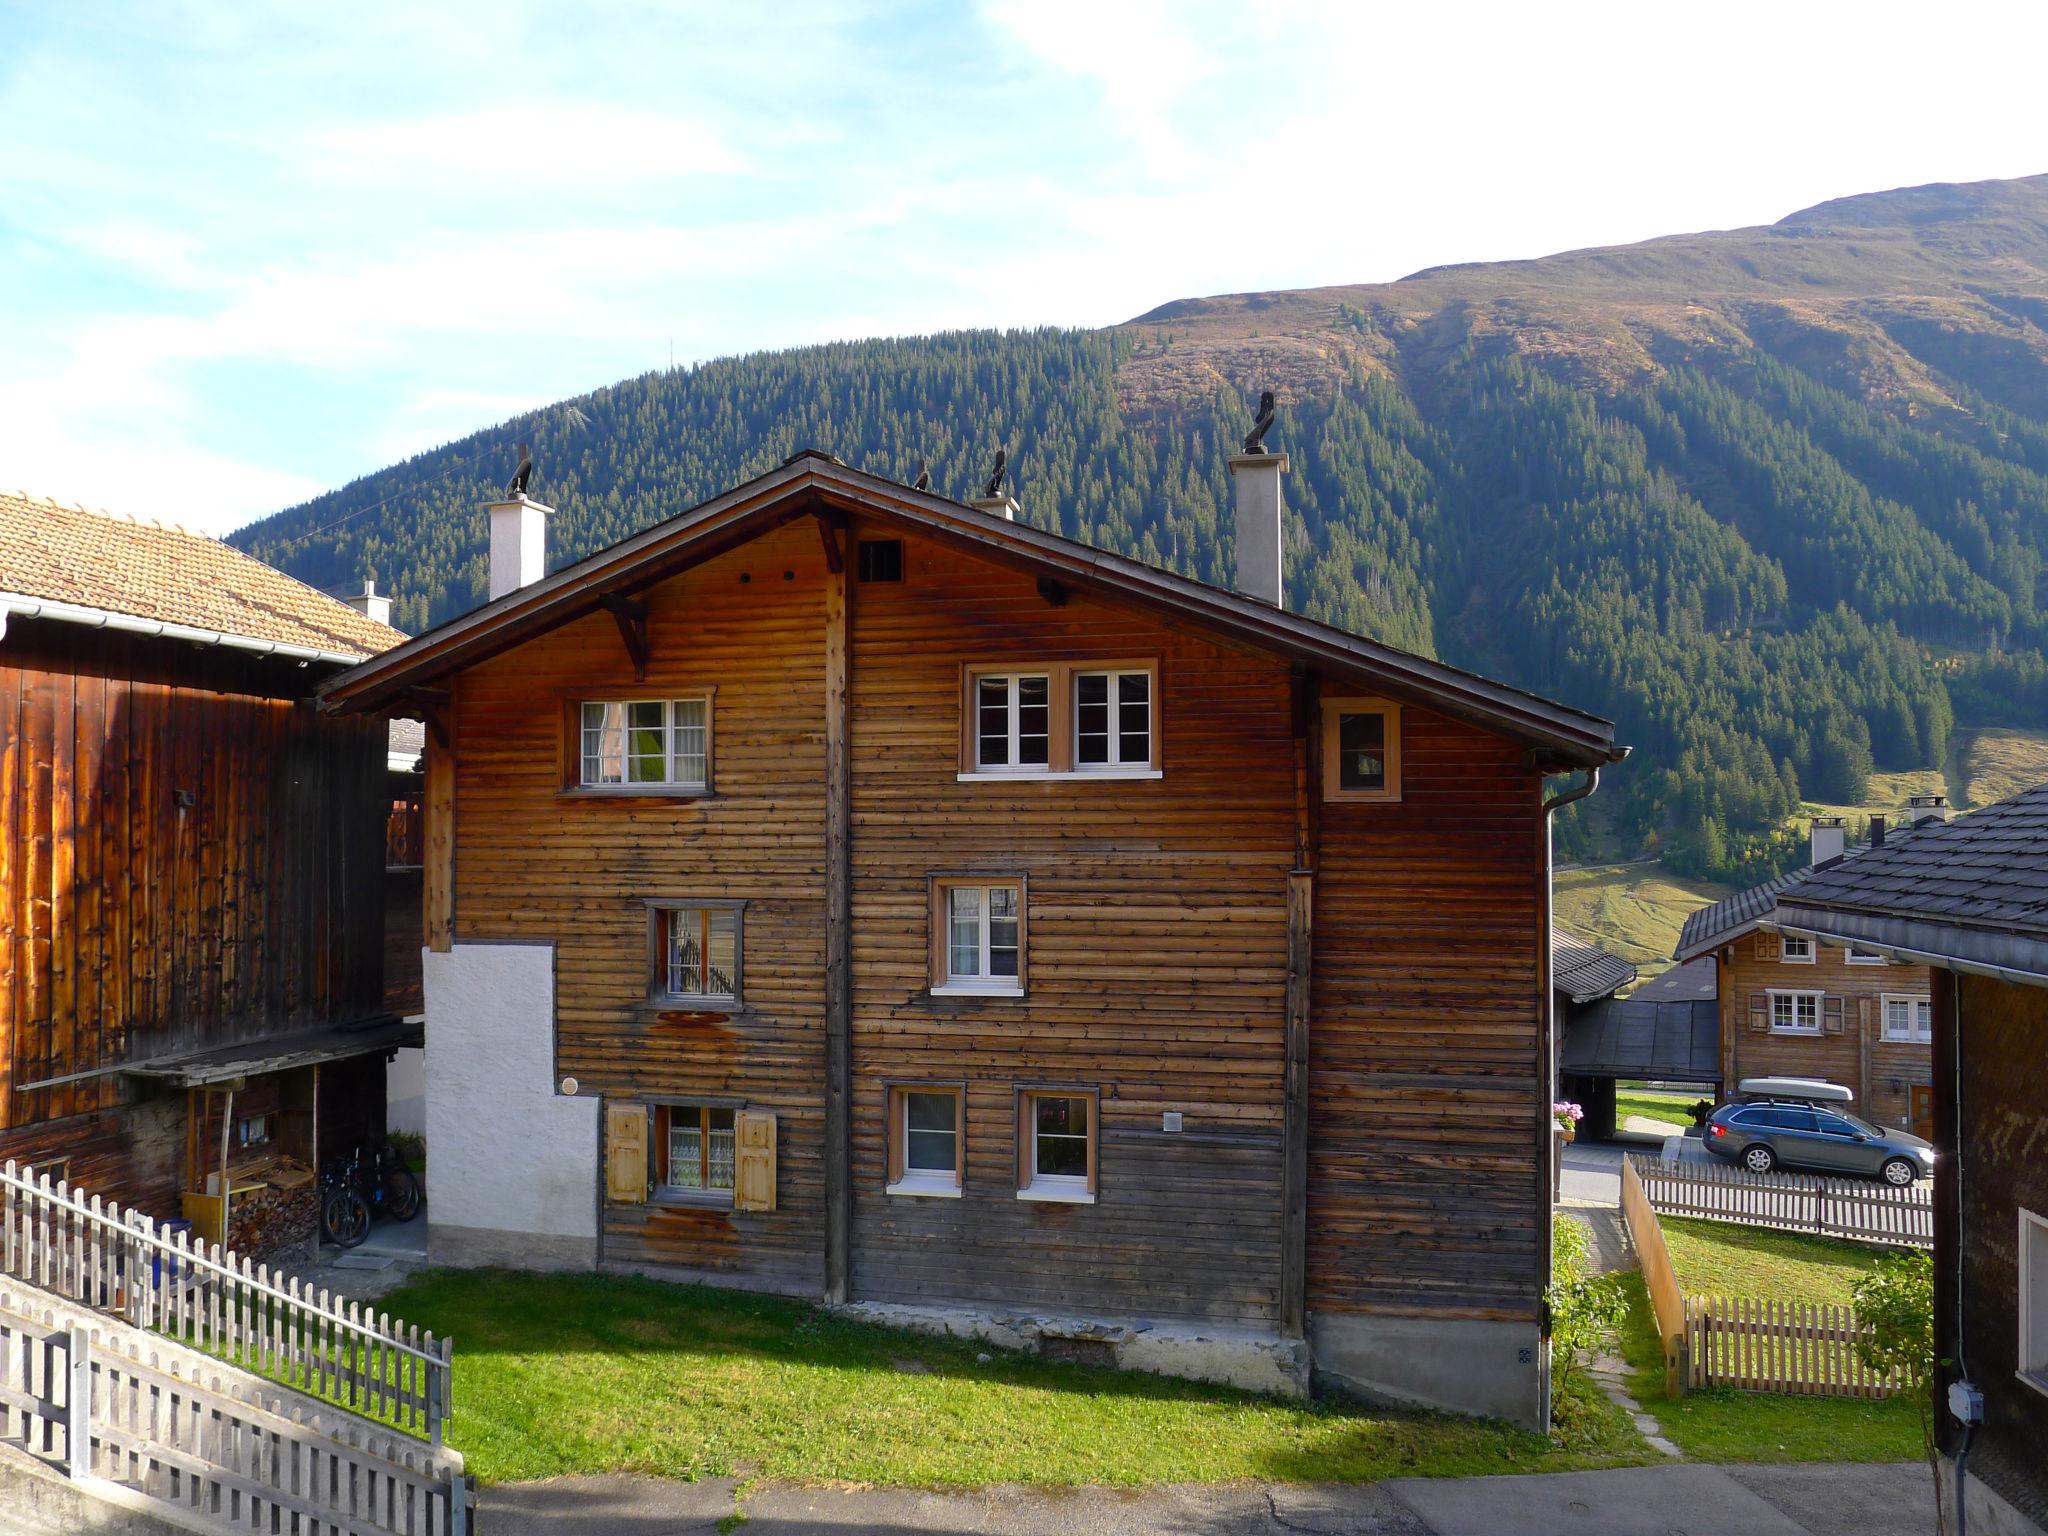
(251, 251)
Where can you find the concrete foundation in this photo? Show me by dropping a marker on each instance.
(1237, 1357)
(38, 1500)
(1500, 1370)
(1985, 1512)
(511, 1159)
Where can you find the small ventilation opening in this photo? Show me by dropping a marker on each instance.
(881, 559)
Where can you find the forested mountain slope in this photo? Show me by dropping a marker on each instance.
(1775, 499)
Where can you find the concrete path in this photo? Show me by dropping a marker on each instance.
(1689, 1500)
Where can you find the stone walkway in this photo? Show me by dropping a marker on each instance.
(1688, 1500)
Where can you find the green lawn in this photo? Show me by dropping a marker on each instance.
(1717, 1258)
(1726, 1425)
(1672, 1108)
(558, 1374)
(1634, 910)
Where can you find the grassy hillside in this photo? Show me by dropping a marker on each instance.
(1634, 910)
(1996, 763)
(1775, 499)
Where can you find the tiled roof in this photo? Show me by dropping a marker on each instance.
(1695, 981)
(1710, 927)
(169, 574)
(1986, 870)
(1584, 971)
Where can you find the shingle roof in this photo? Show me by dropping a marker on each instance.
(169, 574)
(1987, 870)
(1710, 927)
(1584, 971)
(1695, 981)
(1624, 1037)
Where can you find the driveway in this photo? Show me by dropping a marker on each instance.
(1682, 1500)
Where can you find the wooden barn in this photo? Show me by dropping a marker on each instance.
(192, 872)
(844, 891)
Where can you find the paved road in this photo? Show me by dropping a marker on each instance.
(1681, 1500)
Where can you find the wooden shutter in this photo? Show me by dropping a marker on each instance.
(1766, 946)
(1831, 1015)
(625, 1153)
(1759, 1013)
(897, 1160)
(753, 1173)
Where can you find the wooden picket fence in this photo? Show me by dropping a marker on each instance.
(198, 1293)
(1803, 1347)
(1862, 1210)
(140, 1423)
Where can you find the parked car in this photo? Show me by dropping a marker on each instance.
(1767, 1133)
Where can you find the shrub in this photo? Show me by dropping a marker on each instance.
(1584, 1307)
(1895, 1306)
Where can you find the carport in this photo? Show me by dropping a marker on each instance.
(1665, 1041)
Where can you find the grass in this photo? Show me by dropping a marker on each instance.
(1885, 795)
(1674, 1109)
(1726, 1425)
(1996, 764)
(1635, 910)
(560, 1374)
(1714, 1258)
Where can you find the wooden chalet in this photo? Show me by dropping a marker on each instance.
(1791, 1008)
(1968, 899)
(844, 891)
(191, 874)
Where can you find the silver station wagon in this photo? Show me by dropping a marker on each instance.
(1792, 1123)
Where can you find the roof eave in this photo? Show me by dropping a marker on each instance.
(2000, 953)
(19, 604)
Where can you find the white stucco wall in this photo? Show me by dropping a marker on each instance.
(405, 1092)
(506, 1152)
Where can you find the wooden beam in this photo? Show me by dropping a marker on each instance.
(828, 535)
(631, 617)
(1300, 968)
(838, 931)
(438, 878)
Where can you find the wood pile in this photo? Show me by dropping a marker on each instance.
(276, 1215)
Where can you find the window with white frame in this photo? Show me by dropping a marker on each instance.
(1112, 720)
(1857, 956)
(2033, 1300)
(981, 939)
(1908, 1018)
(655, 743)
(1012, 721)
(695, 951)
(1056, 1136)
(926, 1126)
(1795, 1013)
(1796, 949)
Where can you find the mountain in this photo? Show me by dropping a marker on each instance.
(1776, 499)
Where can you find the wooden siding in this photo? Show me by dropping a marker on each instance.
(1881, 1072)
(534, 863)
(1425, 1076)
(182, 864)
(1157, 927)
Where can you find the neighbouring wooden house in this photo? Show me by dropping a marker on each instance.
(1791, 1008)
(1969, 899)
(843, 891)
(191, 874)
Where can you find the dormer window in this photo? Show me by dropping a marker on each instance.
(652, 744)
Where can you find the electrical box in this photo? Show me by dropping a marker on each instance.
(1966, 1402)
(1169, 1120)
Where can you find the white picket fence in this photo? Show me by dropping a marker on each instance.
(1864, 1210)
(201, 1294)
(141, 1423)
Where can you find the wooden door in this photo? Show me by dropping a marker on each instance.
(1923, 1110)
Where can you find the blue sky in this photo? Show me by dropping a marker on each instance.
(249, 251)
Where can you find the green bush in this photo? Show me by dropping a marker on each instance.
(1585, 1308)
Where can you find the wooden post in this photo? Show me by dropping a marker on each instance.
(438, 877)
(1300, 971)
(78, 1407)
(227, 1121)
(838, 936)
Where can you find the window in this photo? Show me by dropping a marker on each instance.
(2033, 1300)
(1796, 949)
(658, 743)
(926, 1131)
(978, 927)
(1795, 1013)
(1056, 1146)
(1908, 1018)
(1785, 1117)
(881, 560)
(1857, 956)
(1112, 720)
(1361, 749)
(1063, 719)
(254, 1130)
(694, 950)
(693, 1150)
(1829, 1123)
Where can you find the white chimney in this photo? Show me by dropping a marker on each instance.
(1921, 808)
(1004, 507)
(519, 544)
(1259, 508)
(372, 607)
(1830, 839)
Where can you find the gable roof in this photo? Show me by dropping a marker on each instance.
(1732, 916)
(1632, 1037)
(1972, 893)
(1693, 982)
(1583, 971)
(812, 483)
(98, 568)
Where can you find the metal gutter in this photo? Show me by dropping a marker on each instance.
(128, 623)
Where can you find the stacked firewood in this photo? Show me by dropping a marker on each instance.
(278, 1223)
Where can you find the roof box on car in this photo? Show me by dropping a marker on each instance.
(1812, 1089)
